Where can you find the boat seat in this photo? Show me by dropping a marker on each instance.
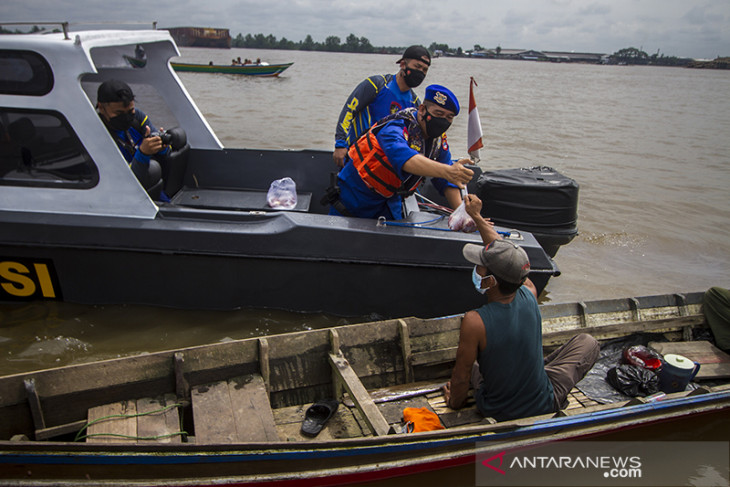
(233, 199)
(233, 411)
(135, 421)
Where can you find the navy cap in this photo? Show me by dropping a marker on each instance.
(114, 90)
(442, 97)
(416, 52)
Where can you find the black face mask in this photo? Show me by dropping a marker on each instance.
(436, 126)
(413, 77)
(122, 121)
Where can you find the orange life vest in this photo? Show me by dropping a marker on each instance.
(374, 167)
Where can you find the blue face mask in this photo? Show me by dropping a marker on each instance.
(476, 279)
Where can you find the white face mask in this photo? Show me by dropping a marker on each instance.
(477, 280)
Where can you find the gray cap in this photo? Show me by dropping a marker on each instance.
(502, 258)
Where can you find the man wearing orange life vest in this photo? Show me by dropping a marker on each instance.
(389, 161)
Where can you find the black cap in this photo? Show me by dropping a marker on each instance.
(114, 90)
(417, 52)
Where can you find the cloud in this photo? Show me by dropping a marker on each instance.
(698, 29)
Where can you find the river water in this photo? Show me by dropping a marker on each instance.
(649, 146)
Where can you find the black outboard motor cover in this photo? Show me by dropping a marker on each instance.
(538, 199)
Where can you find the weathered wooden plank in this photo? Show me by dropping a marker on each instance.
(714, 363)
(611, 331)
(353, 336)
(393, 411)
(400, 391)
(469, 415)
(158, 420)
(450, 418)
(425, 327)
(702, 351)
(713, 371)
(573, 403)
(264, 363)
(405, 344)
(434, 356)
(182, 387)
(35, 404)
(213, 414)
(375, 420)
(252, 410)
(63, 429)
(298, 343)
(435, 341)
(234, 411)
(113, 423)
(341, 425)
(102, 375)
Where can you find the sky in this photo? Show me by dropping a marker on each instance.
(683, 28)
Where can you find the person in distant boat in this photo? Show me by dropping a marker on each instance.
(379, 96)
(391, 160)
(500, 344)
(131, 129)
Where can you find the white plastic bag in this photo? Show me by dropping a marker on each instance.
(461, 221)
(282, 194)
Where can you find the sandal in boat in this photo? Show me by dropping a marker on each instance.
(317, 416)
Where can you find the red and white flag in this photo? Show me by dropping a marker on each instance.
(474, 127)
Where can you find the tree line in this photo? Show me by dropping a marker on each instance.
(352, 43)
(355, 44)
(629, 55)
(634, 56)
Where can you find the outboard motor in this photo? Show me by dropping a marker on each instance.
(538, 200)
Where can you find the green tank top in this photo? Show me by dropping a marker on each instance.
(515, 382)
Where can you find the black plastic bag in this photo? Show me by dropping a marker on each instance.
(633, 381)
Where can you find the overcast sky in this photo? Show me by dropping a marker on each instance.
(685, 28)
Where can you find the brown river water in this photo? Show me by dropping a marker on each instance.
(650, 148)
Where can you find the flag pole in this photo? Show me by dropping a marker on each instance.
(474, 126)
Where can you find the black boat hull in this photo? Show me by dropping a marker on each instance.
(209, 256)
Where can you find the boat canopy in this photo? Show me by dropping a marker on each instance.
(48, 95)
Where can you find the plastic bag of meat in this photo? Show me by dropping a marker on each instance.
(282, 194)
(460, 221)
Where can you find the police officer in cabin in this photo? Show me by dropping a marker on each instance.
(391, 159)
(379, 96)
(132, 130)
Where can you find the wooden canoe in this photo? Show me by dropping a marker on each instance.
(230, 413)
(245, 69)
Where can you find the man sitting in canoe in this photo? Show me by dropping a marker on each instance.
(379, 96)
(500, 344)
(390, 160)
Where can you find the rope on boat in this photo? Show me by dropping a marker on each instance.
(80, 436)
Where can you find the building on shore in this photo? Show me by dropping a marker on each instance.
(532, 55)
(201, 37)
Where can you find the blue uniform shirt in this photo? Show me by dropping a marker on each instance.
(374, 98)
(362, 201)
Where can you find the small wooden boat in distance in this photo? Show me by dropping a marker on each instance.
(246, 69)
